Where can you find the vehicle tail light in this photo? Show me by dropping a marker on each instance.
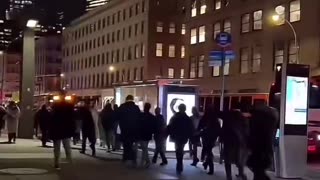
(312, 148)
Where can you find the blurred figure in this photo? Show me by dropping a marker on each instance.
(116, 128)
(160, 138)
(88, 129)
(43, 117)
(77, 134)
(180, 130)
(2, 119)
(62, 128)
(95, 117)
(107, 121)
(209, 128)
(129, 114)
(12, 118)
(195, 139)
(235, 132)
(147, 128)
(263, 126)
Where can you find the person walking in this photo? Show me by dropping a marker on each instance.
(116, 128)
(43, 117)
(61, 129)
(235, 132)
(147, 129)
(2, 119)
(263, 126)
(194, 141)
(12, 119)
(77, 134)
(129, 114)
(209, 128)
(88, 129)
(160, 138)
(107, 121)
(180, 130)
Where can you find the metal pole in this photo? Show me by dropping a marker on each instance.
(2, 77)
(223, 82)
(295, 39)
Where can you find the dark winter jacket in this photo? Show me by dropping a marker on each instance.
(209, 126)
(87, 122)
(108, 119)
(263, 126)
(161, 128)
(180, 128)
(62, 123)
(147, 126)
(43, 117)
(129, 115)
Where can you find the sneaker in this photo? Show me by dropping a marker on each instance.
(57, 167)
(163, 163)
(82, 152)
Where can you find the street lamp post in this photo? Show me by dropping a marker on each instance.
(276, 18)
(27, 81)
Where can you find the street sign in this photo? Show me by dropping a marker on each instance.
(216, 57)
(229, 54)
(223, 39)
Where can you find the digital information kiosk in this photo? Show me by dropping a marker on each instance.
(293, 138)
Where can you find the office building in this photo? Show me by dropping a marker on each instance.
(92, 4)
(258, 42)
(124, 42)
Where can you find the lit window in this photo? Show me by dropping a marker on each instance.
(170, 73)
(172, 51)
(245, 23)
(183, 51)
(183, 29)
(227, 26)
(202, 34)
(159, 27)
(295, 11)
(193, 39)
(193, 8)
(193, 67)
(136, 49)
(257, 20)
(172, 28)
(244, 60)
(278, 54)
(159, 49)
(256, 59)
(203, 7)
(216, 71)
(181, 73)
(217, 4)
(216, 29)
(281, 11)
(293, 52)
(143, 50)
(200, 66)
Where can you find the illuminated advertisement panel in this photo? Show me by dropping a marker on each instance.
(173, 102)
(296, 101)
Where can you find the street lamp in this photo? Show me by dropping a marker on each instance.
(27, 80)
(111, 68)
(276, 18)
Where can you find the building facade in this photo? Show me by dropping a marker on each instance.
(258, 42)
(124, 42)
(48, 64)
(10, 76)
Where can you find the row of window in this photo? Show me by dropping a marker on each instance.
(115, 56)
(172, 28)
(200, 6)
(250, 60)
(171, 50)
(109, 38)
(109, 20)
(101, 80)
(254, 21)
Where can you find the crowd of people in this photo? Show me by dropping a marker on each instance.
(245, 134)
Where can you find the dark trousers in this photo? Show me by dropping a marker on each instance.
(208, 147)
(76, 138)
(160, 149)
(179, 154)
(129, 154)
(260, 174)
(92, 141)
(44, 136)
(12, 137)
(117, 142)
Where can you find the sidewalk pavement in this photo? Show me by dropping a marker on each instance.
(28, 154)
